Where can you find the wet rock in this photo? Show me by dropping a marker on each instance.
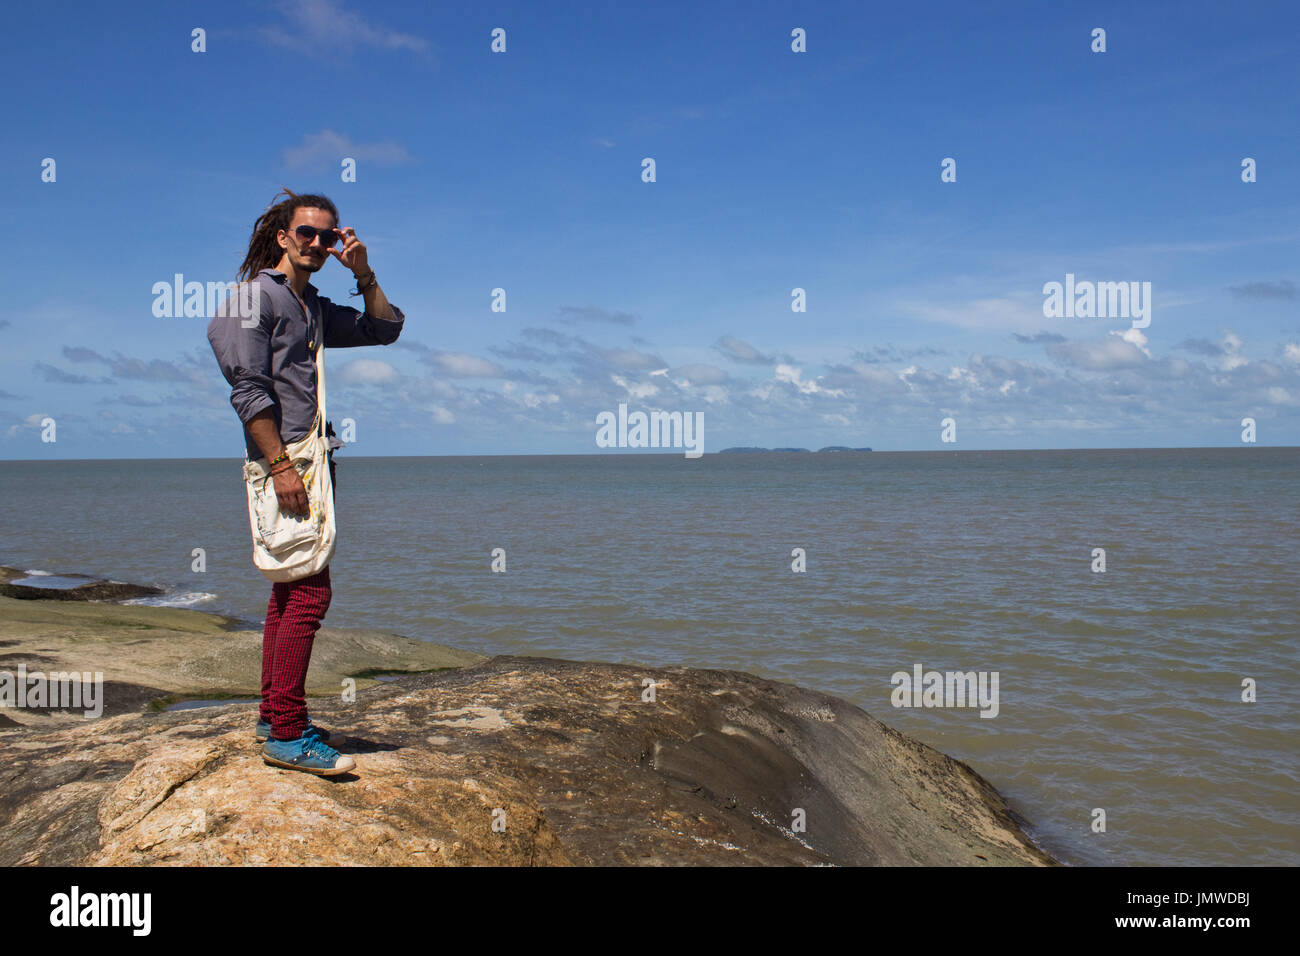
(156, 655)
(16, 584)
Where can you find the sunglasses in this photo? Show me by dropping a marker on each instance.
(327, 236)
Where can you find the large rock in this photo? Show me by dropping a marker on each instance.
(160, 654)
(511, 761)
(16, 583)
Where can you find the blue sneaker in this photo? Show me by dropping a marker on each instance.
(308, 753)
(334, 740)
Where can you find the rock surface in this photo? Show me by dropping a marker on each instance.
(93, 589)
(513, 761)
(149, 654)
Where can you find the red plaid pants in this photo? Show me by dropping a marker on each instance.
(293, 615)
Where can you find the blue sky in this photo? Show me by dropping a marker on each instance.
(775, 170)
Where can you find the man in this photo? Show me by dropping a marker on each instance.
(269, 362)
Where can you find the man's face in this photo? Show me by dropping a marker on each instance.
(306, 256)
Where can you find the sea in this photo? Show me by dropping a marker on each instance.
(1139, 608)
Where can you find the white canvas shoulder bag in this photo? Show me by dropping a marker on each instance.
(286, 546)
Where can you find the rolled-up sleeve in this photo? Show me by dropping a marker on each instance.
(244, 355)
(345, 327)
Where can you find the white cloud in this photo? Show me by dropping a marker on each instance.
(630, 359)
(1232, 349)
(1135, 338)
(879, 377)
(315, 26)
(636, 390)
(687, 376)
(794, 376)
(741, 351)
(327, 148)
(963, 376)
(367, 372)
(464, 365)
(1108, 354)
(31, 421)
(1021, 313)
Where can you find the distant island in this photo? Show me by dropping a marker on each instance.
(748, 449)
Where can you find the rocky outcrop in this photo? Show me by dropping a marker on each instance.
(158, 655)
(511, 761)
(17, 584)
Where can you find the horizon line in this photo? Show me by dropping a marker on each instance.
(677, 453)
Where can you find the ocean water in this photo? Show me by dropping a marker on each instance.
(1119, 690)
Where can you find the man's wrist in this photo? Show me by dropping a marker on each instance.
(364, 283)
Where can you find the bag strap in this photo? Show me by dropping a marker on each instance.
(320, 386)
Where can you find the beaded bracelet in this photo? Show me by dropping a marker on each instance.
(284, 456)
(369, 280)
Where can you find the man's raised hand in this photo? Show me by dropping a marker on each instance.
(352, 253)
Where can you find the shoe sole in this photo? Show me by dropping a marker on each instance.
(318, 771)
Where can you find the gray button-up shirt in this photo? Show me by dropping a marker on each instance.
(268, 363)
